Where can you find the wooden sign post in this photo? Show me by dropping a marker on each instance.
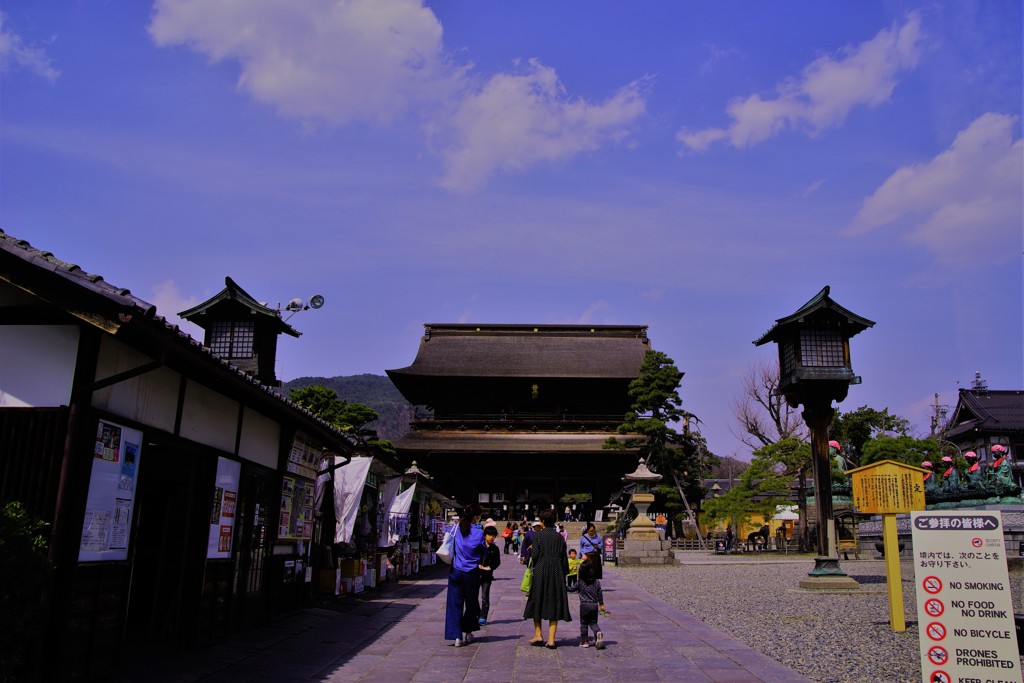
(887, 488)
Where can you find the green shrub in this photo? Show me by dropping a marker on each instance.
(24, 570)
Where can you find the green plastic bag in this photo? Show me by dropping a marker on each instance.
(527, 578)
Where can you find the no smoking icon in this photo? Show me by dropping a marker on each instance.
(936, 631)
(934, 607)
(937, 655)
(932, 584)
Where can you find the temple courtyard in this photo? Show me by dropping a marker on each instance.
(708, 618)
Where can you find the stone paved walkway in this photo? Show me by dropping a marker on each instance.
(395, 635)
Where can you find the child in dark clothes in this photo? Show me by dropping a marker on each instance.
(591, 604)
(492, 559)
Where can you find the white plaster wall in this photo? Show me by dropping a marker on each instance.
(209, 418)
(150, 398)
(37, 365)
(261, 439)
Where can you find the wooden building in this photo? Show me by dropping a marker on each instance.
(178, 487)
(984, 418)
(517, 415)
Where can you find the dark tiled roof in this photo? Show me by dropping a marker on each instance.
(990, 411)
(569, 351)
(46, 261)
(820, 303)
(37, 267)
(232, 292)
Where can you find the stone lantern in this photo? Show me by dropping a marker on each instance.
(814, 371)
(642, 528)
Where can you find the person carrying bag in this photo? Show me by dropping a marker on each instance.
(527, 578)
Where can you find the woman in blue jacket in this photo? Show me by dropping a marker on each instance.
(462, 612)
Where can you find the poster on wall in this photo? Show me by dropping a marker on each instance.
(296, 522)
(106, 530)
(222, 517)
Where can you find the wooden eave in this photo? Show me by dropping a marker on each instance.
(117, 312)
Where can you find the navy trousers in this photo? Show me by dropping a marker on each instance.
(462, 613)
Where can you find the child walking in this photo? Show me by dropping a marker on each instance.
(591, 604)
(574, 571)
(492, 559)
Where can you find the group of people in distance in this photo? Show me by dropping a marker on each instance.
(556, 571)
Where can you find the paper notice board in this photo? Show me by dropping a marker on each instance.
(222, 518)
(106, 529)
(964, 610)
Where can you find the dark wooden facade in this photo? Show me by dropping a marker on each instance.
(80, 353)
(515, 416)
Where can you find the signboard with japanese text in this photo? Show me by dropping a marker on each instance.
(109, 506)
(222, 517)
(304, 457)
(964, 610)
(887, 487)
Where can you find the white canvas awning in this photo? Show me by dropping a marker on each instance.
(387, 499)
(348, 492)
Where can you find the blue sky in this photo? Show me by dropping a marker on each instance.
(701, 168)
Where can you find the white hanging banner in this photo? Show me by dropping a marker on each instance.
(401, 507)
(348, 492)
(387, 499)
(403, 501)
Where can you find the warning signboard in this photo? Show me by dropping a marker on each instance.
(963, 597)
(887, 487)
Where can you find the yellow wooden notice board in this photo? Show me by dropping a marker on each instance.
(887, 487)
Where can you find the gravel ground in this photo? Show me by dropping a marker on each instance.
(830, 637)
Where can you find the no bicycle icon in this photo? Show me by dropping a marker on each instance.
(936, 631)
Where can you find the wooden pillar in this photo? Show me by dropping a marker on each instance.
(818, 414)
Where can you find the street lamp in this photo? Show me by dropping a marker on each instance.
(814, 370)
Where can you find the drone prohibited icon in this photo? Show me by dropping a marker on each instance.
(937, 655)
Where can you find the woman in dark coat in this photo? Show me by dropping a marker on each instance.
(548, 598)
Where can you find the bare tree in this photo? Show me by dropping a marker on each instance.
(762, 415)
(763, 418)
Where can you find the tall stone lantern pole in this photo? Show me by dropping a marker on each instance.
(814, 370)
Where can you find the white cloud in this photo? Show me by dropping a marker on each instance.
(716, 56)
(333, 60)
(169, 300)
(587, 317)
(823, 96)
(15, 54)
(969, 196)
(339, 61)
(518, 120)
